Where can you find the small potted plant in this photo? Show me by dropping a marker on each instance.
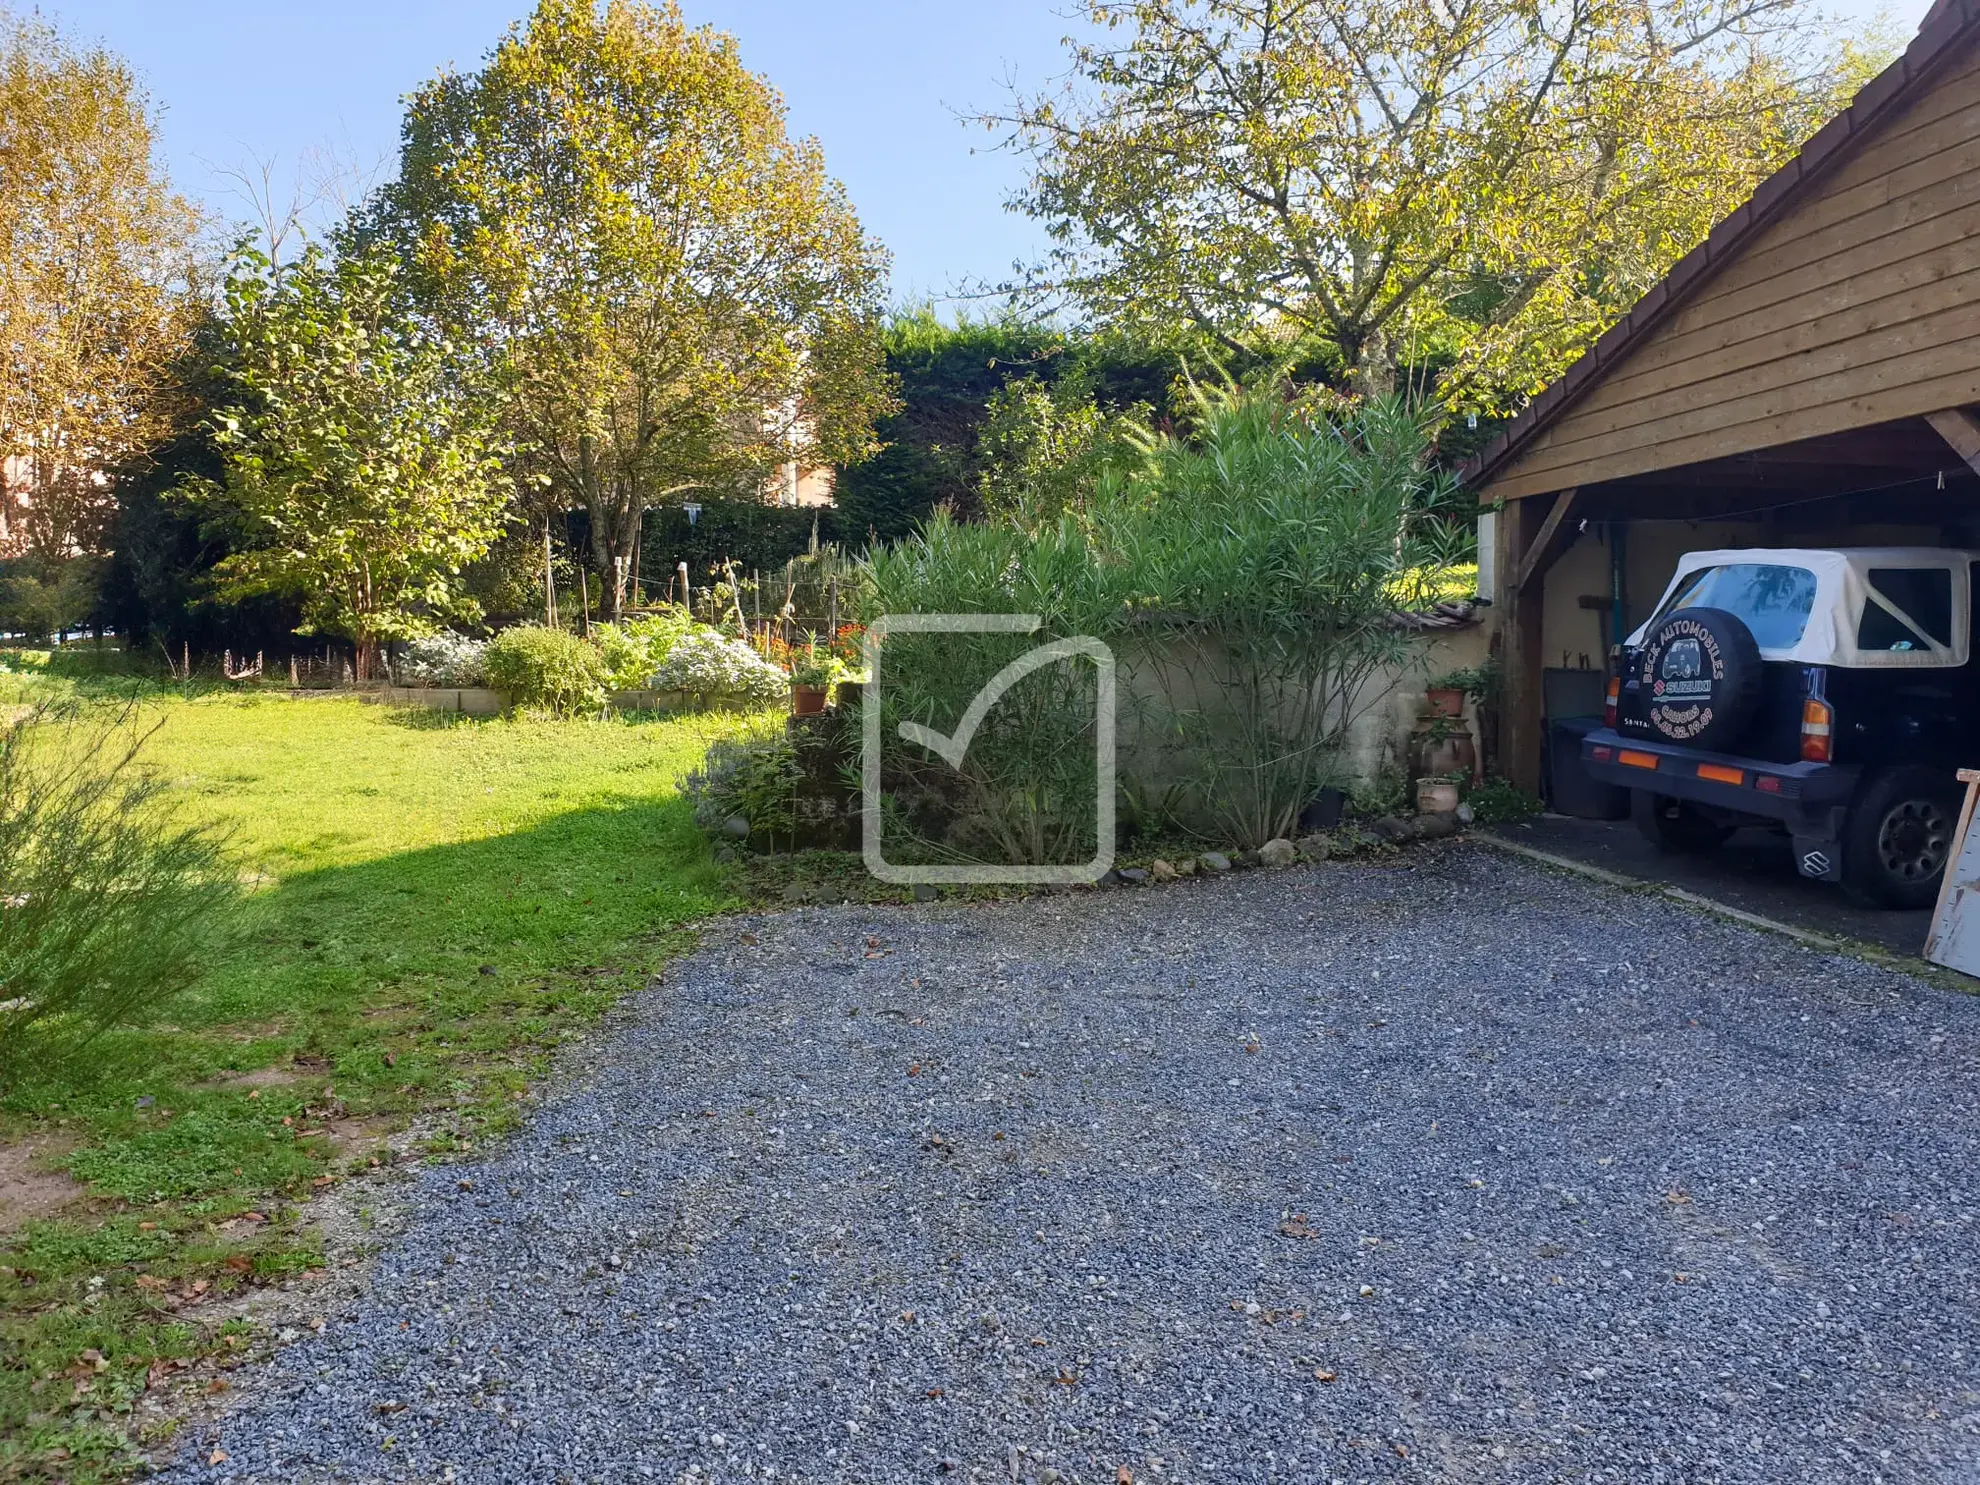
(1438, 794)
(1445, 701)
(813, 674)
(1447, 692)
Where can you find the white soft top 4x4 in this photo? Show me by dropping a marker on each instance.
(1842, 589)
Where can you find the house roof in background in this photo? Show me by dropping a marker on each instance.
(1946, 28)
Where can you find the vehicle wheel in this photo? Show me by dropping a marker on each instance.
(1899, 835)
(1674, 825)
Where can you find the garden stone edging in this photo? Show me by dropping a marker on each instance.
(1389, 830)
(483, 701)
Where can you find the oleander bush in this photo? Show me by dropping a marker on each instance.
(1247, 574)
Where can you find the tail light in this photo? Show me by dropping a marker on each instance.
(1609, 702)
(1818, 720)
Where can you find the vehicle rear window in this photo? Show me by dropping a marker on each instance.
(1922, 594)
(1772, 599)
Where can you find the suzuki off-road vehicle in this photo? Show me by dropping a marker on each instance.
(1829, 693)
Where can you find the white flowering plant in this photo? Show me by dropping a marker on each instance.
(704, 663)
(443, 659)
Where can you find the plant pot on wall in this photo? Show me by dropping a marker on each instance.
(809, 701)
(1445, 701)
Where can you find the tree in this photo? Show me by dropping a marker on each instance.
(160, 587)
(1495, 179)
(362, 472)
(675, 294)
(1043, 447)
(95, 253)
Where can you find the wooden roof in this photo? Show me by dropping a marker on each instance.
(1844, 294)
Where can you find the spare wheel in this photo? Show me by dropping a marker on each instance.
(1700, 673)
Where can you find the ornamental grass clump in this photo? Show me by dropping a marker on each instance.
(110, 901)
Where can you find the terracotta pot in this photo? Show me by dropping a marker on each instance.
(1445, 701)
(1434, 798)
(808, 701)
(1454, 754)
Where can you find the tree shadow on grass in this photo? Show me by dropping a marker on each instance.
(564, 894)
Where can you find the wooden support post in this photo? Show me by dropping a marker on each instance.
(639, 530)
(1520, 713)
(549, 581)
(1961, 429)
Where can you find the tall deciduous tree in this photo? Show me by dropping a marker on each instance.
(95, 250)
(362, 474)
(677, 294)
(1488, 181)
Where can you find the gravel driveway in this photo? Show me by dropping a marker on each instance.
(1452, 1170)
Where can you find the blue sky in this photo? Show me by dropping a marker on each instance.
(878, 81)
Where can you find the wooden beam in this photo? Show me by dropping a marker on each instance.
(1520, 700)
(1549, 544)
(1961, 429)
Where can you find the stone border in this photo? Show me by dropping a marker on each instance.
(473, 701)
(482, 701)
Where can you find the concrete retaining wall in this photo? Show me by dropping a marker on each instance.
(474, 701)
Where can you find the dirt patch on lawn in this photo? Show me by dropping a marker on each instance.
(278, 1076)
(28, 1187)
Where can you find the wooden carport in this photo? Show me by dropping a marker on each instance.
(1804, 376)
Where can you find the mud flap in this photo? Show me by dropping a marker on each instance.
(1818, 854)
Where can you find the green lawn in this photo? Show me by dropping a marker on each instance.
(434, 904)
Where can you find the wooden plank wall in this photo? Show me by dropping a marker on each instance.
(1861, 304)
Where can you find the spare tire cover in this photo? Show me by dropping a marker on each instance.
(1700, 674)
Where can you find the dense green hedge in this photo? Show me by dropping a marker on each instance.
(756, 537)
(947, 376)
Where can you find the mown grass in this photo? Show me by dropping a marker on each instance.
(435, 903)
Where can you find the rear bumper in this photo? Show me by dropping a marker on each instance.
(1806, 797)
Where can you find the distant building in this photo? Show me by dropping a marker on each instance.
(797, 484)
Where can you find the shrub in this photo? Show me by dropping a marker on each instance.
(633, 651)
(705, 664)
(1498, 801)
(757, 780)
(1250, 574)
(547, 670)
(43, 596)
(111, 902)
(444, 659)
